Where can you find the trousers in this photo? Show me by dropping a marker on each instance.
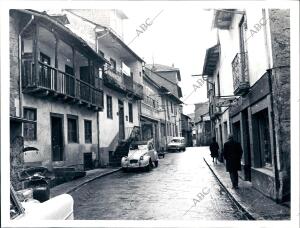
(234, 178)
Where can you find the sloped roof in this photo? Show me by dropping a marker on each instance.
(160, 67)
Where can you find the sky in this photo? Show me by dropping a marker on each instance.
(179, 35)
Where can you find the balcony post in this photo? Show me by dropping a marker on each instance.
(74, 71)
(36, 53)
(90, 80)
(55, 79)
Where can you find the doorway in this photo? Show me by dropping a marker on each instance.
(121, 120)
(57, 140)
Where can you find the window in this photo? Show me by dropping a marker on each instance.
(88, 131)
(109, 107)
(30, 127)
(130, 112)
(171, 107)
(113, 64)
(73, 129)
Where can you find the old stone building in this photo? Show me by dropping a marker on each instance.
(168, 97)
(202, 124)
(254, 103)
(56, 91)
(122, 80)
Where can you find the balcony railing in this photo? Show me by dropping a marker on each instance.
(58, 82)
(240, 73)
(138, 89)
(124, 83)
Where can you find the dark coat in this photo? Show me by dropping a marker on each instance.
(233, 154)
(214, 149)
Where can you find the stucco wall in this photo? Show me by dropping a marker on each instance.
(73, 151)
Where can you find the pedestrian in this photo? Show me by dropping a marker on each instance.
(214, 149)
(233, 154)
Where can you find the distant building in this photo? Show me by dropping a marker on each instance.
(170, 93)
(161, 105)
(186, 129)
(202, 124)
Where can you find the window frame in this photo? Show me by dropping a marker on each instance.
(109, 107)
(130, 112)
(90, 140)
(28, 121)
(73, 117)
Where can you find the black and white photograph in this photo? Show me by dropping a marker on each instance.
(149, 113)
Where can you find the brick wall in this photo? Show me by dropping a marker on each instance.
(280, 44)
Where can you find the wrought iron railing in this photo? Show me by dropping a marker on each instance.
(52, 79)
(240, 72)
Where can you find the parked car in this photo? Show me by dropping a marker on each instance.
(141, 155)
(176, 144)
(24, 207)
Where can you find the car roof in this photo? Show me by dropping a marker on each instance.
(145, 142)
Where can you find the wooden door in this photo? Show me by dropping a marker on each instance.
(57, 144)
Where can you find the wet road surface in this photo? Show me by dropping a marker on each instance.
(181, 187)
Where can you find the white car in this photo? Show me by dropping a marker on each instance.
(56, 208)
(141, 155)
(176, 144)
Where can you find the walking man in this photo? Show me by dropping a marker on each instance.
(214, 149)
(233, 154)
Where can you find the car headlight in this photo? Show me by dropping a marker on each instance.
(142, 158)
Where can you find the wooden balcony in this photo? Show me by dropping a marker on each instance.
(123, 83)
(240, 74)
(47, 81)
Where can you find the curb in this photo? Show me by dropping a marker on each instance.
(92, 179)
(248, 214)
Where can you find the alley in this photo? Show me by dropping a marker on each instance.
(182, 187)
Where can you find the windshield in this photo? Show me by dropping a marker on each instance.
(138, 147)
(176, 140)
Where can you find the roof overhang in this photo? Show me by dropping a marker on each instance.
(113, 42)
(223, 18)
(211, 60)
(65, 33)
(171, 95)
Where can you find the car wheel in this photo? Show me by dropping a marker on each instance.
(149, 166)
(156, 163)
(125, 170)
(183, 149)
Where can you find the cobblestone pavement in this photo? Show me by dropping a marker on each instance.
(181, 187)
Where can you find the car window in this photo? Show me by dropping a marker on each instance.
(175, 140)
(142, 147)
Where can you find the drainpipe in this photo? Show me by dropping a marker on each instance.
(98, 117)
(20, 65)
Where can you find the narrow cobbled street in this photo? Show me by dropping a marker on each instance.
(182, 187)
